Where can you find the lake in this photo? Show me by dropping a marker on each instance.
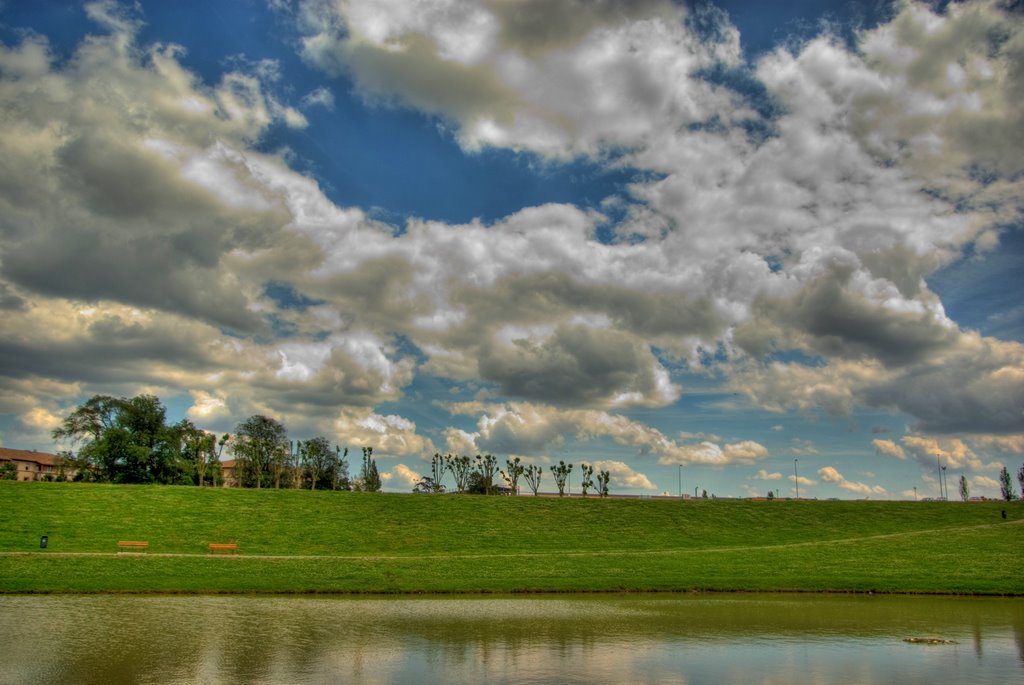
(630, 638)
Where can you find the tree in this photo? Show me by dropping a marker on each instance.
(432, 483)
(125, 440)
(965, 489)
(561, 474)
(318, 462)
(1020, 479)
(602, 482)
(533, 475)
(427, 485)
(1006, 485)
(260, 445)
(202, 451)
(8, 471)
(437, 468)
(587, 481)
(513, 474)
(369, 476)
(487, 466)
(460, 467)
(341, 479)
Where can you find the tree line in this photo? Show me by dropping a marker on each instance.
(128, 440)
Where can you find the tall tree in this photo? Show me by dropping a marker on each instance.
(965, 489)
(1020, 479)
(260, 443)
(369, 476)
(1006, 485)
(561, 474)
(533, 475)
(438, 466)
(341, 479)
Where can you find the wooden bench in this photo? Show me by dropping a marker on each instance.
(132, 545)
(231, 547)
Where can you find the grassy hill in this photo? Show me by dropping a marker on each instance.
(300, 541)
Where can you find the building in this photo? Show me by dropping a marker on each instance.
(32, 465)
(229, 473)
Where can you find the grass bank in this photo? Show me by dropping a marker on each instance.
(299, 541)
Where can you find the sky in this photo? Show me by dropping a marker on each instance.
(733, 247)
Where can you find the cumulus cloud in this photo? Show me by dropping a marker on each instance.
(400, 477)
(623, 475)
(559, 78)
(533, 429)
(829, 474)
(764, 475)
(974, 386)
(388, 435)
(889, 448)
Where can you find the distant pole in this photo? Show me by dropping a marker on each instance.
(796, 478)
(945, 482)
(680, 481)
(695, 491)
(938, 467)
(915, 493)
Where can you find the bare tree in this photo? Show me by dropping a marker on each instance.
(602, 482)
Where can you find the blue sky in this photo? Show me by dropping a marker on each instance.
(703, 245)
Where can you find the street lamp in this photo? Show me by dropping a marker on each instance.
(796, 478)
(680, 481)
(946, 482)
(938, 467)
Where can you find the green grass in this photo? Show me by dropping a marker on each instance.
(291, 541)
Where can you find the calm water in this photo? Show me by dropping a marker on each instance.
(558, 639)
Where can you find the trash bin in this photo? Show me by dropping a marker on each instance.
(43, 540)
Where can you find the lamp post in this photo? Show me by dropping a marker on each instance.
(680, 481)
(796, 478)
(946, 483)
(938, 467)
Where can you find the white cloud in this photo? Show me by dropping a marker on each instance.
(830, 475)
(623, 475)
(400, 477)
(764, 475)
(388, 435)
